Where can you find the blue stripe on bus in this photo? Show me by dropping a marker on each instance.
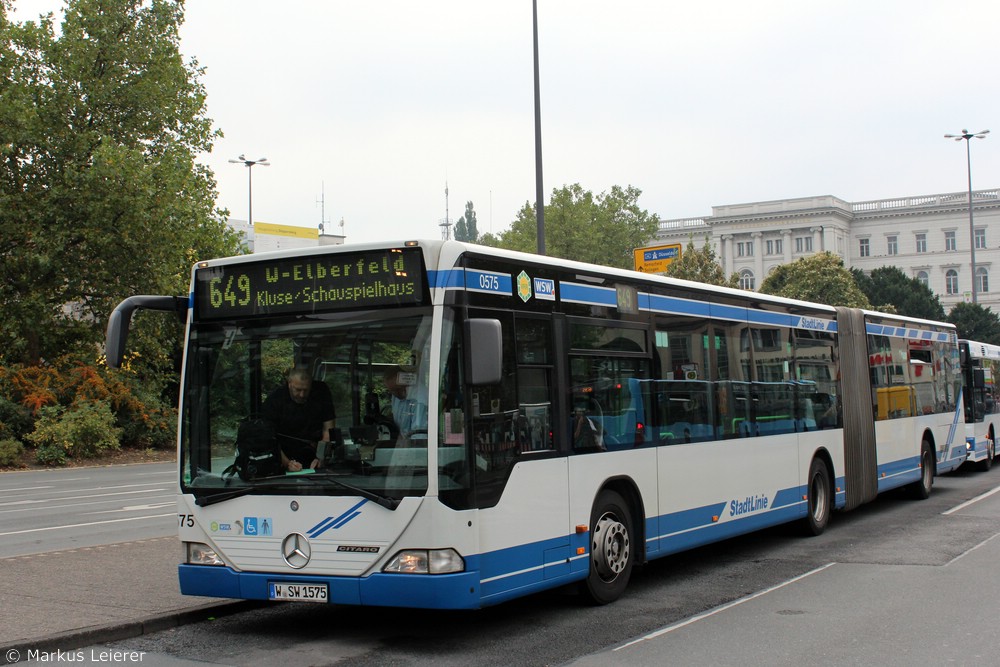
(670, 304)
(903, 332)
(587, 294)
(446, 279)
(898, 473)
(656, 303)
(501, 283)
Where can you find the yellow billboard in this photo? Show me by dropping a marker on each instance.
(656, 259)
(271, 229)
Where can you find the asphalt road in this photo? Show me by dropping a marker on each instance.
(895, 582)
(53, 510)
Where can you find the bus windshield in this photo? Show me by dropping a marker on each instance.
(371, 365)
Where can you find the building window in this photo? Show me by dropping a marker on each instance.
(803, 244)
(923, 278)
(921, 242)
(747, 280)
(951, 281)
(980, 236)
(744, 248)
(892, 245)
(982, 280)
(864, 248)
(949, 241)
(775, 247)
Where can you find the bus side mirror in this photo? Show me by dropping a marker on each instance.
(121, 318)
(485, 344)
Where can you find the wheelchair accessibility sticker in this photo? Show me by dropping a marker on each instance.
(254, 526)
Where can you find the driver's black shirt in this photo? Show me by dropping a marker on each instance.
(299, 426)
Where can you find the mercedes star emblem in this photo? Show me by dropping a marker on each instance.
(296, 551)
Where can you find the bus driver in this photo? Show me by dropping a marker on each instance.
(302, 413)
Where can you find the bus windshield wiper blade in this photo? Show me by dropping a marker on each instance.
(384, 501)
(212, 498)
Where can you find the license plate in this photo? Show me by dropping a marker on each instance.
(299, 592)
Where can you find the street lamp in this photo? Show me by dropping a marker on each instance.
(249, 165)
(972, 230)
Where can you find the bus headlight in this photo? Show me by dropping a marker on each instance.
(197, 553)
(425, 561)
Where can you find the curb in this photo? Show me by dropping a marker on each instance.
(74, 639)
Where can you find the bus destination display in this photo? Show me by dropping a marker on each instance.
(313, 284)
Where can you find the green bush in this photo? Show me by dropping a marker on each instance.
(85, 430)
(15, 420)
(10, 452)
(51, 455)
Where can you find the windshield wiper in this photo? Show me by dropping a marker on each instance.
(384, 501)
(211, 499)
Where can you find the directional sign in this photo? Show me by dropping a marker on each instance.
(655, 259)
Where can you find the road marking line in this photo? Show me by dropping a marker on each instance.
(725, 607)
(81, 525)
(971, 502)
(970, 550)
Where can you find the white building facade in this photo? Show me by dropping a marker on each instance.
(927, 237)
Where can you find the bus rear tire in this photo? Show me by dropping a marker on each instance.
(921, 490)
(819, 498)
(612, 552)
(987, 463)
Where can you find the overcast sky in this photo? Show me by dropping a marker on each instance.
(379, 104)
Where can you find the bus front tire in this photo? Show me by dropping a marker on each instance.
(611, 548)
(819, 498)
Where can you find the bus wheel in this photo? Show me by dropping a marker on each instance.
(611, 555)
(921, 490)
(986, 463)
(818, 498)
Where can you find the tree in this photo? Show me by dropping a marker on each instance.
(602, 229)
(465, 228)
(975, 322)
(891, 291)
(820, 278)
(701, 266)
(100, 195)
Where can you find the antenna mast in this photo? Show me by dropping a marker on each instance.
(446, 225)
(322, 207)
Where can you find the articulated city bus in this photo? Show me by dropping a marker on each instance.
(980, 369)
(564, 422)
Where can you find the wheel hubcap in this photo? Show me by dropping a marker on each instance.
(611, 547)
(820, 501)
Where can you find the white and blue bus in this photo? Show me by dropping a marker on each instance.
(572, 421)
(980, 368)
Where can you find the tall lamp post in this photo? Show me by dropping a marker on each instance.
(249, 165)
(972, 230)
(539, 191)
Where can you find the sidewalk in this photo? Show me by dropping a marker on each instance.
(69, 599)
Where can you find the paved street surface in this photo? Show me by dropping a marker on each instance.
(90, 554)
(86, 599)
(76, 597)
(894, 614)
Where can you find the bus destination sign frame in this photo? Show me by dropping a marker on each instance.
(314, 284)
